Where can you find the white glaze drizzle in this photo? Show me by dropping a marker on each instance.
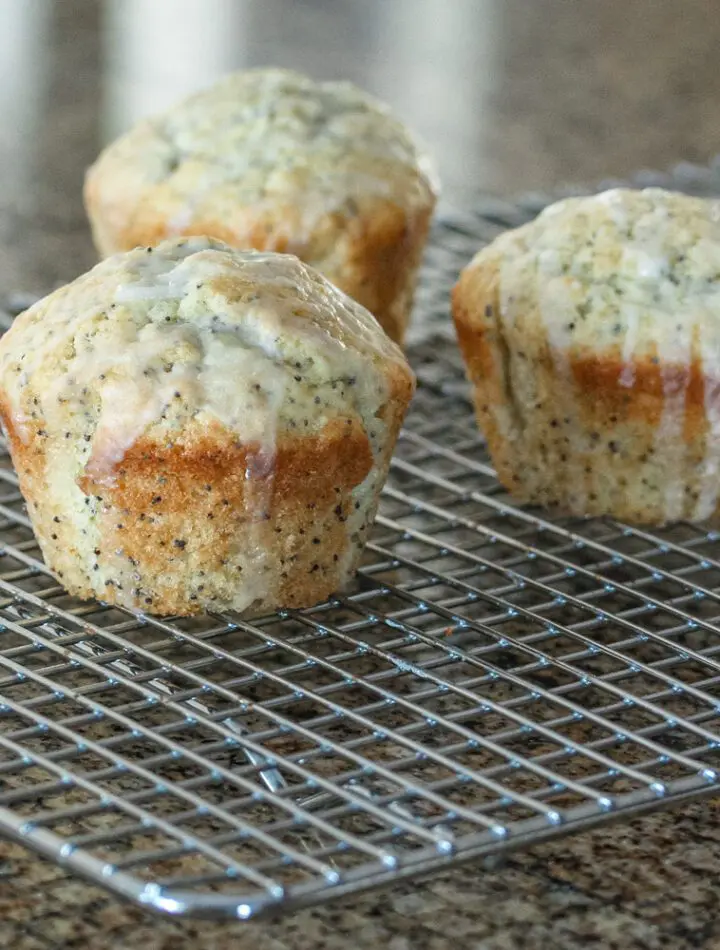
(669, 445)
(709, 475)
(631, 338)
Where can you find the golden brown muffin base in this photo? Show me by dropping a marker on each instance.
(171, 519)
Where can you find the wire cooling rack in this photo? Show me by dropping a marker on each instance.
(498, 676)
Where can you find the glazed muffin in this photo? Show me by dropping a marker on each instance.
(196, 427)
(269, 159)
(592, 340)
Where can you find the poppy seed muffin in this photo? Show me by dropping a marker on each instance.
(269, 159)
(196, 427)
(592, 339)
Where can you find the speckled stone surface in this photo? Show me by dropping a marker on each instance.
(648, 884)
(512, 95)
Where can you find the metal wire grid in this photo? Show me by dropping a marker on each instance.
(497, 676)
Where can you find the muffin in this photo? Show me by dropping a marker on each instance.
(269, 159)
(592, 340)
(196, 427)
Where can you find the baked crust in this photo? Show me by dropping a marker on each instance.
(353, 200)
(179, 516)
(186, 513)
(596, 430)
(373, 256)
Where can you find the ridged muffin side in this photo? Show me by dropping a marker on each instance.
(592, 339)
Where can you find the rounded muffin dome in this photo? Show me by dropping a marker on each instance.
(270, 159)
(195, 426)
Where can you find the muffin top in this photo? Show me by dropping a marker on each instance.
(633, 271)
(192, 335)
(267, 136)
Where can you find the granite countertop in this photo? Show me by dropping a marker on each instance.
(650, 884)
(514, 95)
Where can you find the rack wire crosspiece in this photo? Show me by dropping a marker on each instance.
(496, 677)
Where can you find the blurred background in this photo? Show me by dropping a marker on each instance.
(510, 95)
